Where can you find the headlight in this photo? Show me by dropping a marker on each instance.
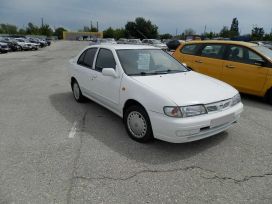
(172, 111)
(236, 99)
(189, 111)
(185, 111)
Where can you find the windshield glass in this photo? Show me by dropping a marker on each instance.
(265, 51)
(148, 62)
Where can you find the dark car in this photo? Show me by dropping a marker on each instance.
(11, 44)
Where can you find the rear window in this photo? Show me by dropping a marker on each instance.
(189, 49)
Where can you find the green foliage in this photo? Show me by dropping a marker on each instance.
(225, 32)
(59, 32)
(141, 28)
(234, 28)
(8, 29)
(46, 30)
(257, 33)
(166, 36)
(114, 33)
(109, 33)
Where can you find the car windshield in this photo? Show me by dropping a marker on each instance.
(148, 62)
(265, 51)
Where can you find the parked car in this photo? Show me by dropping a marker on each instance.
(155, 43)
(122, 41)
(246, 66)
(23, 44)
(173, 44)
(4, 47)
(263, 43)
(134, 41)
(33, 46)
(13, 46)
(156, 96)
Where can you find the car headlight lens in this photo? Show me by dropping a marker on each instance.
(236, 99)
(189, 111)
(172, 111)
(185, 111)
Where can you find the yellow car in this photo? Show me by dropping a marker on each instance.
(246, 66)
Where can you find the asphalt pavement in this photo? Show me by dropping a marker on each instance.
(54, 150)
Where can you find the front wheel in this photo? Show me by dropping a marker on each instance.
(269, 96)
(137, 124)
(77, 92)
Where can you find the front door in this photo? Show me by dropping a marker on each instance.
(243, 69)
(106, 88)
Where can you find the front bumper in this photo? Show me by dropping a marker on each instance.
(181, 130)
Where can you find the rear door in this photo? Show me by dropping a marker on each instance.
(243, 69)
(209, 60)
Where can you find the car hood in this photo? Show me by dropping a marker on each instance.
(188, 88)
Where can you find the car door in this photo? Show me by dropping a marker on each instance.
(106, 88)
(209, 60)
(243, 69)
(85, 66)
(186, 54)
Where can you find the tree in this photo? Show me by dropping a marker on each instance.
(234, 28)
(8, 29)
(166, 36)
(141, 28)
(189, 31)
(109, 33)
(32, 29)
(45, 30)
(119, 33)
(59, 32)
(257, 33)
(225, 32)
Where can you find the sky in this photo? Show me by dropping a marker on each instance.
(169, 15)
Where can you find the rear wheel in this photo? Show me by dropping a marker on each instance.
(77, 92)
(137, 124)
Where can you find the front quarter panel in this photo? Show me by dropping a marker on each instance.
(146, 96)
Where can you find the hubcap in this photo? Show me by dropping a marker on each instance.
(136, 124)
(76, 91)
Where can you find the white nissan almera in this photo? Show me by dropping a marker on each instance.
(156, 96)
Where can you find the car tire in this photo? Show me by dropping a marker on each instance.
(138, 124)
(77, 92)
(269, 96)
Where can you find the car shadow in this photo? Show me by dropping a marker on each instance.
(256, 102)
(108, 128)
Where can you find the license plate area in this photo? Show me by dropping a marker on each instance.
(221, 121)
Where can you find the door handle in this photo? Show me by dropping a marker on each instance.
(199, 61)
(230, 66)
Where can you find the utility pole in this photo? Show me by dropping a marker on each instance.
(42, 21)
(91, 25)
(97, 26)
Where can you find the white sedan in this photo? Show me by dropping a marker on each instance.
(156, 96)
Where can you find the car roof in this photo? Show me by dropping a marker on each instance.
(247, 44)
(123, 46)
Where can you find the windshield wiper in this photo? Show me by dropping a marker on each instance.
(167, 71)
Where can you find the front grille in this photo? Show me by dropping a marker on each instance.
(218, 106)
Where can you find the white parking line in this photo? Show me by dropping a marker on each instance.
(73, 130)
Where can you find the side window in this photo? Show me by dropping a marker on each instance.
(104, 59)
(189, 49)
(89, 57)
(213, 51)
(236, 53)
(254, 57)
(81, 58)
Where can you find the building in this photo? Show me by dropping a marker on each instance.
(81, 35)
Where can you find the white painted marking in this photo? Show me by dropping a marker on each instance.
(73, 130)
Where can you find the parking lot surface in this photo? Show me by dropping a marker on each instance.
(54, 150)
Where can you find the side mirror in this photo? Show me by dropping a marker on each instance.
(109, 72)
(184, 64)
(259, 63)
